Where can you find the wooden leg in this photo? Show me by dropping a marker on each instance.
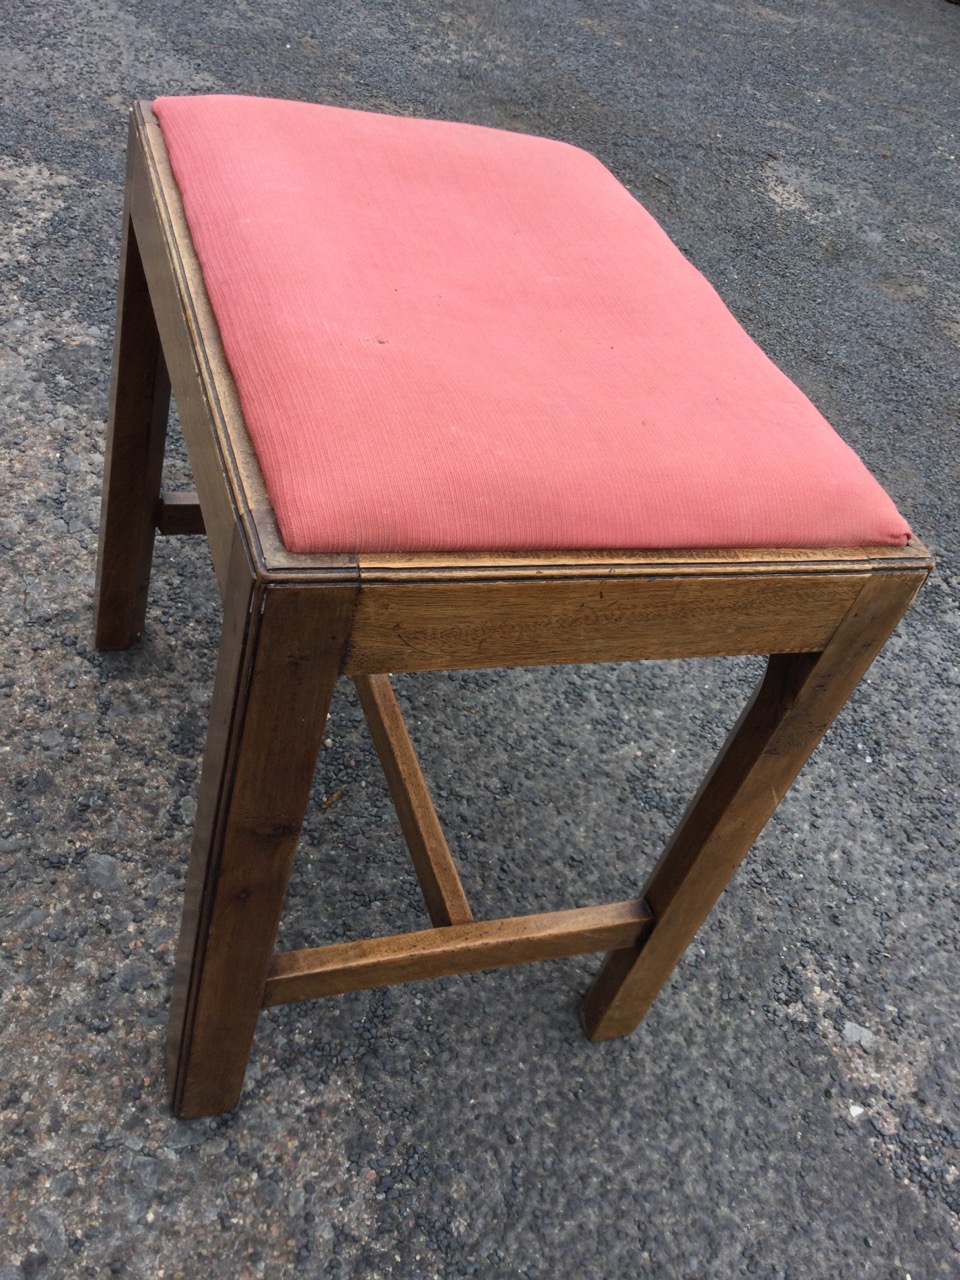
(794, 705)
(279, 658)
(136, 435)
(432, 860)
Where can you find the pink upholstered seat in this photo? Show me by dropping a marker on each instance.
(448, 337)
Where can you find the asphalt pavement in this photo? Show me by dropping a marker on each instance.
(790, 1109)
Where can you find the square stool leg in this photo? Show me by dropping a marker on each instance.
(791, 709)
(280, 655)
(140, 405)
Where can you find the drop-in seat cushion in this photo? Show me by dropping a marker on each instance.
(448, 337)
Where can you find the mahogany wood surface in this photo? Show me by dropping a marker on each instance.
(434, 953)
(278, 663)
(506, 624)
(293, 623)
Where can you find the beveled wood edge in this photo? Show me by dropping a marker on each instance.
(256, 516)
(478, 566)
(668, 562)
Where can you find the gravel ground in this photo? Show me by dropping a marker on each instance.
(791, 1106)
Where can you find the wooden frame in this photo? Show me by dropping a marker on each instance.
(294, 623)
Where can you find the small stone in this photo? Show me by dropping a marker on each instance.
(103, 871)
(48, 1225)
(182, 1134)
(64, 1184)
(853, 1033)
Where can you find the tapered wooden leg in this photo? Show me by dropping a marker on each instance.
(795, 703)
(136, 434)
(279, 658)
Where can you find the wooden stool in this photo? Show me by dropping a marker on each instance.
(451, 399)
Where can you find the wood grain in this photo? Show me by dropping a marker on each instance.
(794, 704)
(434, 953)
(278, 663)
(505, 624)
(436, 870)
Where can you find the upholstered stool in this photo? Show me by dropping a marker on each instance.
(452, 399)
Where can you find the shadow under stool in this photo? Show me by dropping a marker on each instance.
(452, 399)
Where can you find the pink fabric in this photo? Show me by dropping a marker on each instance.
(448, 337)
